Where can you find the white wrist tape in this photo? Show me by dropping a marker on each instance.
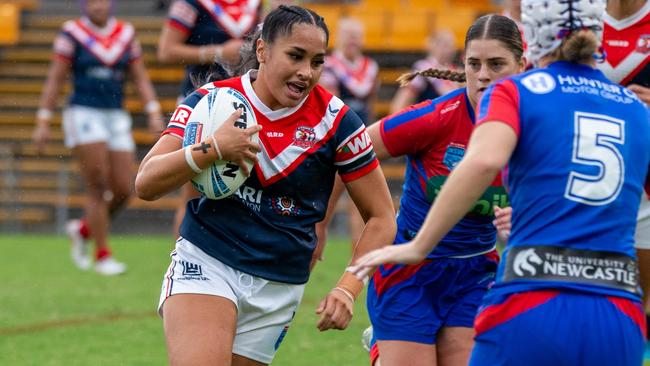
(44, 113)
(190, 160)
(216, 148)
(152, 106)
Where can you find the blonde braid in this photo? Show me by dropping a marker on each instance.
(456, 76)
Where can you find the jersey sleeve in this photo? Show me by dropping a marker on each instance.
(182, 16)
(354, 154)
(500, 102)
(64, 47)
(410, 130)
(178, 121)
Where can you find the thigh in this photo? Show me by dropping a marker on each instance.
(199, 329)
(454, 345)
(118, 123)
(401, 353)
(84, 125)
(93, 163)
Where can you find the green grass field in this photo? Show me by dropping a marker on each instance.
(53, 314)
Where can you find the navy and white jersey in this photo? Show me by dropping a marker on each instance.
(208, 22)
(355, 81)
(267, 228)
(575, 177)
(99, 58)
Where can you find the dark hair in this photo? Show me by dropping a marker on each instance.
(278, 22)
(578, 47)
(491, 26)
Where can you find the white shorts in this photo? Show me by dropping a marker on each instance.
(86, 125)
(265, 308)
(642, 236)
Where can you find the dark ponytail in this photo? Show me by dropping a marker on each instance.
(278, 23)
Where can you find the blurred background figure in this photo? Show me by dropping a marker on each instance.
(441, 51)
(204, 38)
(100, 51)
(353, 77)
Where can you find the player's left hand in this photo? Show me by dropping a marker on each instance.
(503, 222)
(642, 92)
(335, 311)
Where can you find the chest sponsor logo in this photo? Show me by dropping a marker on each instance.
(275, 134)
(539, 83)
(643, 44)
(617, 43)
(250, 196)
(484, 206)
(453, 155)
(285, 206)
(304, 137)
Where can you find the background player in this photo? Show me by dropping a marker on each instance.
(254, 253)
(100, 51)
(575, 175)
(443, 292)
(441, 52)
(203, 35)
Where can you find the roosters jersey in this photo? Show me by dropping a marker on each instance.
(99, 58)
(355, 81)
(575, 178)
(434, 135)
(267, 227)
(208, 22)
(627, 46)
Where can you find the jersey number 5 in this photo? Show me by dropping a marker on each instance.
(594, 145)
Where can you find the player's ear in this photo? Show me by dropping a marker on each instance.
(260, 50)
(522, 63)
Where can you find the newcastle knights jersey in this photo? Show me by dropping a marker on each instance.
(99, 58)
(434, 135)
(627, 46)
(208, 22)
(356, 81)
(575, 178)
(267, 227)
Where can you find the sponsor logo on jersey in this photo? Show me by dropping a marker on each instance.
(539, 83)
(304, 137)
(274, 134)
(333, 112)
(356, 145)
(192, 271)
(250, 196)
(582, 85)
(484, 206)
(524, 262)
(643, 44)
(453, 155)
(617, 43)
(450, 107)
(284, 206)
(181, 115)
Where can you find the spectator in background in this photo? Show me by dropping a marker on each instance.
(99, 50)
(203, 38)
(351, 76)
(441, 51)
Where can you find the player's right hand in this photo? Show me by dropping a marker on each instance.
(235, 143)
(503, 222)
(407, 253)
(335, 310)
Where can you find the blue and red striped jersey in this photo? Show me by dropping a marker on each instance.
(433, 135)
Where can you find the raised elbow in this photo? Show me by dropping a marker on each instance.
(142, 189)
(164, 55)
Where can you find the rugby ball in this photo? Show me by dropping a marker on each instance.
(222, 178)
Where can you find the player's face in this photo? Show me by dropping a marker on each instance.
(291, 66)
(98, 11)
(486, 61)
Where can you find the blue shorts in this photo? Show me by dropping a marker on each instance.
(559, 328)
(411, 303)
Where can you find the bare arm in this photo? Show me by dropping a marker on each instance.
(147, 95)
(56, 76)
(489, 149)
(642, 92)
(372, 197)
(164, 169)
(172, 48)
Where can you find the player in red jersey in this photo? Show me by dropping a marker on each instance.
(240, 266)
(100, 51)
